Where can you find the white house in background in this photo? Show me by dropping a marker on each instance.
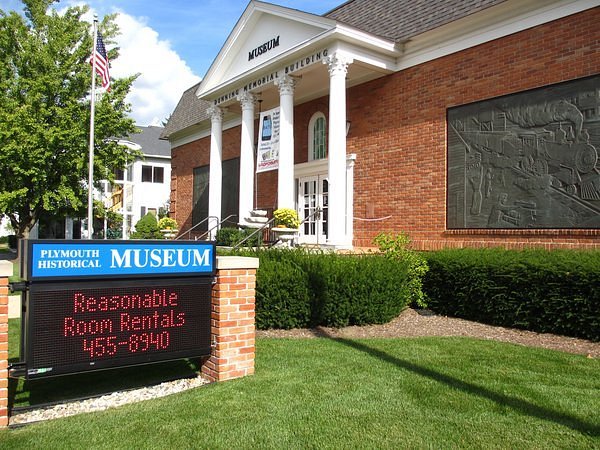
(4, 226)
(145, 185)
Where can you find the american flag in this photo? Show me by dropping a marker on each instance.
(101, 62)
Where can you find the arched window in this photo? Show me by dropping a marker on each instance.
(317, 137)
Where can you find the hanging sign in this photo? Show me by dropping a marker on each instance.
(268, 141)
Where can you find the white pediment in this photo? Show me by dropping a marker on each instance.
(263, 33)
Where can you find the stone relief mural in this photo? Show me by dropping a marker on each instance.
(528, 160)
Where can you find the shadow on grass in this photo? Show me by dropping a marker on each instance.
(517, 404)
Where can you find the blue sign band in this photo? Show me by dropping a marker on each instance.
(75, 259)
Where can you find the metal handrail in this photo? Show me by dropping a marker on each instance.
(217, 226)
(188, 232)
(316, 212)
(253, 233)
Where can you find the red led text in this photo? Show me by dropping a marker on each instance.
(153, 322)
(74, 327)
(109, 346)
(155, 299)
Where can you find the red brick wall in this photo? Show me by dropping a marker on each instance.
(232, 324)
(267, 190)
(399, 135)
(302, 116)
(5, 270)
(184, 159)
(399, 130)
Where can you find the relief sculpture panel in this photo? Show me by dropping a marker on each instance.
(527, 160)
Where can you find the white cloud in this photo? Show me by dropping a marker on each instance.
(164, 75)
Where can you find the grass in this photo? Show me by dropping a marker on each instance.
(16, 272)
(379, 393)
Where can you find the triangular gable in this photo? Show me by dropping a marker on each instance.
(263, 32)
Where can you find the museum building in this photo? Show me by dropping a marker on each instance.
(460, 122)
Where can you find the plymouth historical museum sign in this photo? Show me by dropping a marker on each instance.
(100, 304)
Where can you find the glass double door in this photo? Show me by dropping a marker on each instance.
(313, 209)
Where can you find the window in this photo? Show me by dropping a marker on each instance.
(200, 197)
(147, 174)
(152, 174)
(159, 175)
(120, 174)
(144, 210)
(317, 137)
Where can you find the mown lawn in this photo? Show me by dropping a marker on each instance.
(380, 393)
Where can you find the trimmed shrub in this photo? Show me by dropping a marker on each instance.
(358, 290)
(296, 288)
(545, 291)
(147, 228)
(283, 294)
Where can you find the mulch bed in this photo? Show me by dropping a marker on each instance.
(416, 323)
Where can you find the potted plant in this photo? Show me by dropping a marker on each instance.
(286, 218)
(168, 227)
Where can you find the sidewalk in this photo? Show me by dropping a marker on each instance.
(14, 306)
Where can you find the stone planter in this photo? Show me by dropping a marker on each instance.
(169, 234)
(285, 235)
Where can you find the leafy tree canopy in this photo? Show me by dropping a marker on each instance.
(45, 84)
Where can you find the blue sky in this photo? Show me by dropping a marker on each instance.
(171, 43)
(197, 30)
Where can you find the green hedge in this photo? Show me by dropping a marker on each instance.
(283, 294)
(545, 291)
(297, 289)
(229, 236)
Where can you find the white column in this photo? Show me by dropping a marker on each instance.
(216, 168)
(247, 101)
(350, 161)
(338, 68)
(285, 180)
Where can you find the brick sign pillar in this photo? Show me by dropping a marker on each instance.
(6, 270)
(232, 320)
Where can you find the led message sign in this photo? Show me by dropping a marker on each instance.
(102, 304)
(75, 327)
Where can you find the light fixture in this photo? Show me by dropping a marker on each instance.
(348, 123)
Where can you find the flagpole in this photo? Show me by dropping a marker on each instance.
(90, 215)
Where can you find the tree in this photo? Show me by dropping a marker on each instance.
(106, 216)
(45, 83)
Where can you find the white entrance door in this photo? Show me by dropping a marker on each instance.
(312, 196)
